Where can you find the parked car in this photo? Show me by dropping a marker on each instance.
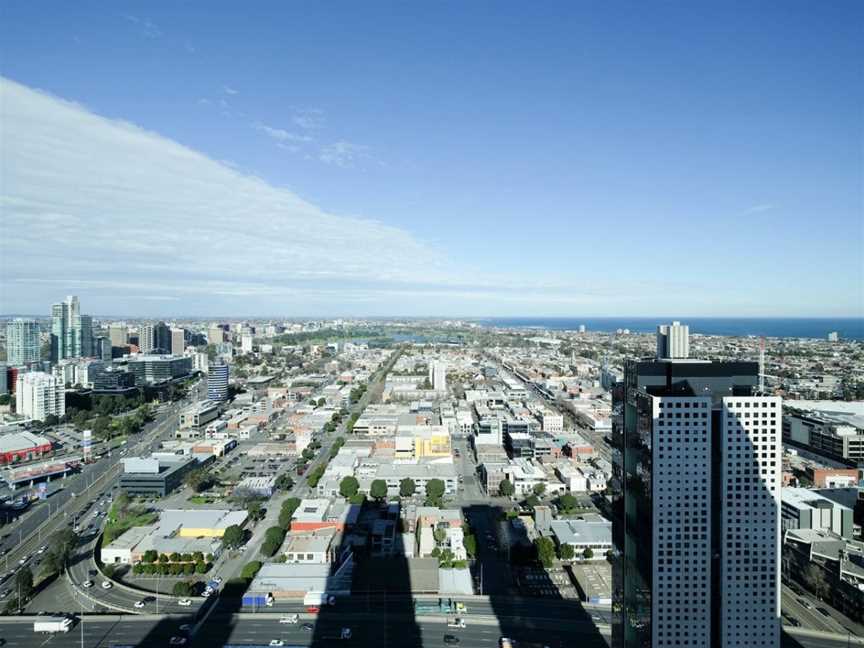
(87, 584)
(184, 602)
(106, 585)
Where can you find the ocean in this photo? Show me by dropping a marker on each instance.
(849, 328)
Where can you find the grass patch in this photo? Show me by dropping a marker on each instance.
(123, 516)
(202, 499)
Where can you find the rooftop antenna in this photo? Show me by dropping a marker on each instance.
(762, 365)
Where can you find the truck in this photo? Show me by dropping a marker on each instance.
(440, 606)
(50, 625)
(317, 599)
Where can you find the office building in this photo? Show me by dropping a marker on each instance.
(4, 378)
(150, 369)
(696, 506)
(217, 382)
(215, 335)
(178, 341)
(673, 341)
(155, 476)
(246, 343)
(102, 348)
(38, 395)
(438, 375)
(833, 336)
(119, 335)
(71, 332)
(22, 342)
(155, 338)
(833, 434)
(806, 509)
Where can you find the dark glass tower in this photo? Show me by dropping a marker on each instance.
(686, 452)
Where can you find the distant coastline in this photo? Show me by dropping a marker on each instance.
(849, 328)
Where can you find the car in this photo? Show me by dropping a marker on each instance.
(186, 627)
(807, 604)
(184, 602)
(139, 605)
(87, 584)
(276, 642)
(346, 633)
(42, 549)
(217, 579)
(823, 611)
(451, 640)
(290, 619)
(106, 585)
(305, 626)
(177, 641)
(22, 561)
(793, 621)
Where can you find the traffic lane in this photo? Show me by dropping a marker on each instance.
(809, 617)
(78, 483)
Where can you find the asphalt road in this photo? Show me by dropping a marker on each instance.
(259, 630)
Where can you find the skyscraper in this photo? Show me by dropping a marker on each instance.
(39, 394)
(119, 334)
(155, 338)
(696, 506)
(217, 382)
(438, 375)
(673, 341)
(22, 341)
(71, 332)
(178, 341)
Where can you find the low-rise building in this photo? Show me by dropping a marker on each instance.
(587, 532)
(199, 414)
(804, 509)
(150, 476)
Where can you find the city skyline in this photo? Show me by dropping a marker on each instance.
(558, 191)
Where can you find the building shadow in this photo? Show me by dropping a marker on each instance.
(372, 601)
(529, 612)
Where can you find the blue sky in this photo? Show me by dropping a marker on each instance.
(433, 158)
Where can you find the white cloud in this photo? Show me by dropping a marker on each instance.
(758, 209)
(309, 118)
(229, 90)
(88, 200)
(343, 154)
(147, 27)
(281, 135)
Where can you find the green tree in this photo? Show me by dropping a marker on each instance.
(378, 489)
(434, 491)
(189, 568)
(255, 511)
(505, 488)
(539, 489)
(174, 557)
(531, 501)
(182, 588)
(250, 569)
(567, 502)
(545, 551)
(151, 555)
(268, 549)
(275, 534)
(284, 482)
(201, 567)
(163, 558)
(407, 487)
(470, 543)
(51, 419)
(358, 500)
(588, 554)
(233, 537)
(322, 402)
(567, 552)
(349, 486)
(197, 556)
(439, 534)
